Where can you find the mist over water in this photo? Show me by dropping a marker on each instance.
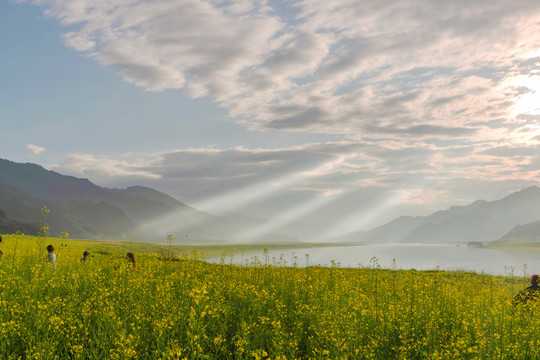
(406, 256)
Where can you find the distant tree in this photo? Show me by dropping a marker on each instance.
(475, 244)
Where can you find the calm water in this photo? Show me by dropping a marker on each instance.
(407, 256)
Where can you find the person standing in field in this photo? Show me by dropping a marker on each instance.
(131, 258)
(532, 293)
(51, 257)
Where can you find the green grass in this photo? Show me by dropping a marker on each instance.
(106, 309)
(516, 244)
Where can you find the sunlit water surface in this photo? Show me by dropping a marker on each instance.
(400, 256)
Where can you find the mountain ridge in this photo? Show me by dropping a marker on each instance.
(87, 210)
(90, 211)
(480, 221)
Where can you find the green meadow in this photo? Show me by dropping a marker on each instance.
(173, 305)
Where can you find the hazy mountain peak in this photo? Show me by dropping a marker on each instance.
(524, 193)
(44, 183)
(482, 221)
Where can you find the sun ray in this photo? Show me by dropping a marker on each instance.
(289, 216)
(363, 219)
(232, 201)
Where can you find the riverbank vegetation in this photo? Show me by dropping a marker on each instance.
(190, 309)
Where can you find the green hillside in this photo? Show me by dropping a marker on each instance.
(89, 211)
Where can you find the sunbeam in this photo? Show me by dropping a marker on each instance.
(256, 192)
(180, 221)
(289, 216)
(365, 218)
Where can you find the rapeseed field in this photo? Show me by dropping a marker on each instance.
(105, 308)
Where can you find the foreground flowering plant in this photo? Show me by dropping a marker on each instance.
(190, 309)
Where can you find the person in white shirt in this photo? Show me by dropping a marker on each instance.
(51, 256)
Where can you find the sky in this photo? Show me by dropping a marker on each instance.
(337, 115)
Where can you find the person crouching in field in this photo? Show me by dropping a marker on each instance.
(532, 293)
(131, 258)
(51, 256)
(85, 256)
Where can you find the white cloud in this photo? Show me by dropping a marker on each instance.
(433, 93)
(344, 67)
(102, 169)
(35, 149)
(78, 41)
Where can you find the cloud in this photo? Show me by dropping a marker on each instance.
(35, 149)
(426, 97)
(345, 67)
(195, 174)
(425, 130)
(102, 169)
(318, 168)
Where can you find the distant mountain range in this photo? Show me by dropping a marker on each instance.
(512, 218)
(86, 210)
